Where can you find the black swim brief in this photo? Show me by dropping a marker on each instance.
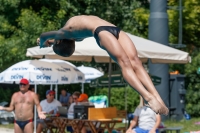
(113, 30)
(22, 124)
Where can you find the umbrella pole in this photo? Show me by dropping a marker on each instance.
(109, 83)
(126, 97)
(56, 91)
(82, 87)
(51, 87)
(35, 111)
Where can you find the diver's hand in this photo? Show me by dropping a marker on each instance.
(43, 44)
(38, 41)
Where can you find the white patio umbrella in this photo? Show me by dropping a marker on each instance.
(88, 48)
(37, 72)
(90, 73)
(77, 75)
(2, 78)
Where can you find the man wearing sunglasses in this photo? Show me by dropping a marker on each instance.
(22, 102)
(75, 97)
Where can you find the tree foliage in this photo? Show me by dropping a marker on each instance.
(190, 20)
(193, 86)
(22, 22)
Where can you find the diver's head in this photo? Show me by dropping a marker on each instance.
(64, 47)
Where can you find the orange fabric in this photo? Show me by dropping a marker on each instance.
(82, 97)
(175, 72)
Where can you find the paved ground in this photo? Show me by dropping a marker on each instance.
(6, 130)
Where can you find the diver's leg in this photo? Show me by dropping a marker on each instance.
(129, 47)
(110, 43)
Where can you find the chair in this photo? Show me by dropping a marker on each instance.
(100, 101)
(50, 126)
(102, 113)
(122, 115)
(130, 117)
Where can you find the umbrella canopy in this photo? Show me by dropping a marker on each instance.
(90, 73)
(37, 72)
(77, 75)
(88, 48)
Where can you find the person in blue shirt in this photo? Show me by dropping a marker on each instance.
(64, 97)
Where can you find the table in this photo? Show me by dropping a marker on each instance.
(77, 124)
(162, 130)
(177, 129)
(50, 126)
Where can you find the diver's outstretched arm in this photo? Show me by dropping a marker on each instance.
(49, 35)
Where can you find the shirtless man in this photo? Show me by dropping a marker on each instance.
(22, 103)
(118, 45)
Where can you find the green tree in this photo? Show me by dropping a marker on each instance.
(193, 86)
(191, 29)
(190, 20)
(190, 38)
(23, 21)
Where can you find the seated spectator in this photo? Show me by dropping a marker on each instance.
(75, 97)
(70, 101)
(145, 120)
(64, 97)
(70, 112)
(83, 98)
(50, 106)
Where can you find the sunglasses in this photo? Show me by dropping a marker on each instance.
(51, 95)
(74, 98)
(21, 84)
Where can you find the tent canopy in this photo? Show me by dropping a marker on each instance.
(88, 48)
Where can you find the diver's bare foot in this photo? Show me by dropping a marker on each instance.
(161, 101)
(157, 107)
(163, 104)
